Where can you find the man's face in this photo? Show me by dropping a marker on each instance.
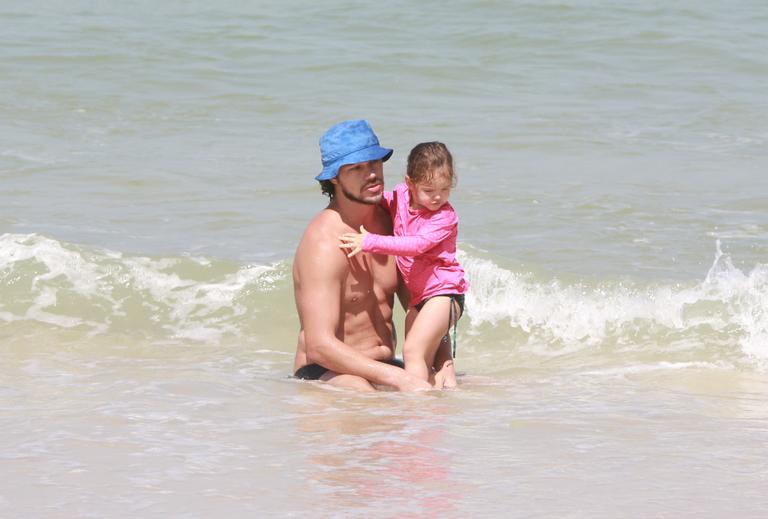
(362, 182)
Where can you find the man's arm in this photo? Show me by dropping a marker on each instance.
(322, 269)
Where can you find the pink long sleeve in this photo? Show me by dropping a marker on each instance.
(428, 237)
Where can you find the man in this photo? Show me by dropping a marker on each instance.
(347, 335)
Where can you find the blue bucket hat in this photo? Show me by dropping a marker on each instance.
(349, 142)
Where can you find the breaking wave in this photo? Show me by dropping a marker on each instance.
(47, 283)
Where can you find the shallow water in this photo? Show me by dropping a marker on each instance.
(190, 431)
(156, 166)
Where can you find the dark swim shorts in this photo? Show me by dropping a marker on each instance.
(315, 371)
(459, 298)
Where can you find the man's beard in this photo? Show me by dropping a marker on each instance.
(359, 199)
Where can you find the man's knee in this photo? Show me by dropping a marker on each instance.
(347, 381)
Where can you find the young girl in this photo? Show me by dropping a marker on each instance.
(425, 228)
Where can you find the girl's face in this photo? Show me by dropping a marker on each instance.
(431, 195)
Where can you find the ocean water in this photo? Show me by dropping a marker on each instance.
(156, 174)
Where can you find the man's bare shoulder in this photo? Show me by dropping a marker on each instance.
(322, 230)
(320, 242)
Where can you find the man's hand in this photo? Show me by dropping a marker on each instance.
(408, 382)
(353, 240)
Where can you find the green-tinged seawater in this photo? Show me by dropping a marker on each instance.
(156, 173)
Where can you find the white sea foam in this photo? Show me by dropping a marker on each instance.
(186, 308)
(728, 305)
(650, 368)
(747, 298)
(66, 286)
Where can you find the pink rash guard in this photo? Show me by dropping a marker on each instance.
(425, 246)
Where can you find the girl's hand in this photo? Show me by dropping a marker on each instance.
(353, 240)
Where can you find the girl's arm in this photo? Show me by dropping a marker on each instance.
(415, 245)
(397, 245)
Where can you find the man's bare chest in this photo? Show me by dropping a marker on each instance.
(371, 279)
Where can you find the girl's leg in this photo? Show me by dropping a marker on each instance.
(445, 371)
(424, 331)
(410, 318)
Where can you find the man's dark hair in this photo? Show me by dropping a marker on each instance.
(328, 188)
